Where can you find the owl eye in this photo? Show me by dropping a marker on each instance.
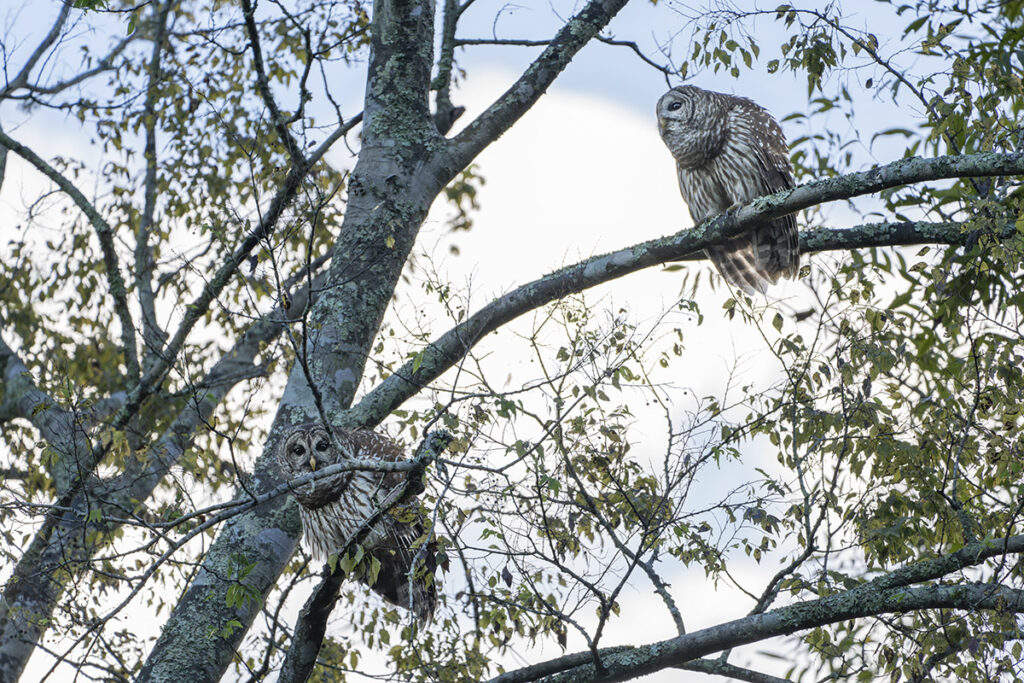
(298, 449)
(674, 106)
(322, 445)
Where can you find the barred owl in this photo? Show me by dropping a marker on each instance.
(334, 508)
(728, 151)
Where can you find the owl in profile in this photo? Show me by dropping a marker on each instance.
(728, 151)
(334, 508)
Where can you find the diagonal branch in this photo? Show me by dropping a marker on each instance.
(448, 349)
(105, 234)
(106, 63)
(624, 666)
(518, 99)
(886, 594)
(195, 311)
(21, 79)
(263, 85)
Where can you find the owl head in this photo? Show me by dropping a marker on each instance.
(307, 448)
(692, 122)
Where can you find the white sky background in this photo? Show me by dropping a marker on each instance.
(584, 172)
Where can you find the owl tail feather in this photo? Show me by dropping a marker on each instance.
(756, 259)
(394, 584)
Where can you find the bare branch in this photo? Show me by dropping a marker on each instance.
(21, 79)
(717, 668)
(518, 99)
(525, 42)
(152, 335)
(262, 84)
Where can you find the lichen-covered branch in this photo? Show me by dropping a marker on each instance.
(624, 666)
(887, 594)
(445, 113)
(21, 398)
(452, 346)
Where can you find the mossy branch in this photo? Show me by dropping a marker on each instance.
(453, 345)
(888, 594)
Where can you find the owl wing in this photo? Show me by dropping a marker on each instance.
(401, 530)
(372, 445)
(758, 137)
(757, 157)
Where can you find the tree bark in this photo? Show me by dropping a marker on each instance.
(403, 165)
(389, 196)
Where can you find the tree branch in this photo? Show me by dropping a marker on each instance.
(263, 86)
(623, 666)
(21, 398)
(885, 594)
(105, 234)
(518, 99)
(152, 336)
(445, 113)
(452, 346)
(718, 668)
(526, 42)
(21, 79)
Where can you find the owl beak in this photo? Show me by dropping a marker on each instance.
(312, 464)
